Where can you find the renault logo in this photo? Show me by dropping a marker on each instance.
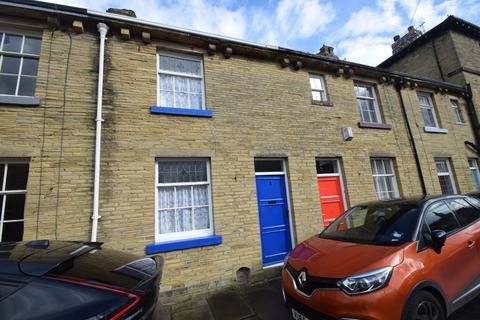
(302, 278)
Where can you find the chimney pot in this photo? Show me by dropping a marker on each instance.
(123, 12)
(327, 51)
(396, 38)
(411, 29)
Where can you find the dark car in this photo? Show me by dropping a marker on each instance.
(44, 279)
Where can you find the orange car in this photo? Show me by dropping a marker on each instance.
(413, 259)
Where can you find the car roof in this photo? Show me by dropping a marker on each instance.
(411, 201)
(39, 256)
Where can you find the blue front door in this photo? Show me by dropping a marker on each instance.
(273, 216)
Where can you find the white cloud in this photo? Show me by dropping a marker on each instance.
(366, 49)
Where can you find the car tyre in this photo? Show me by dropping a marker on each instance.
(424, 306)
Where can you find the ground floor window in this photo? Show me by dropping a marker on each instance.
(384, 178)
(473, 163)
(184, 207)
(445, 176)
(13, 190)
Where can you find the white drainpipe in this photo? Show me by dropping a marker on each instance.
(102, 29)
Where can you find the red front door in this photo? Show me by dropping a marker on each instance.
(330, 198)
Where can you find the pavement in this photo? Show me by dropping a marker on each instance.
(262, 301)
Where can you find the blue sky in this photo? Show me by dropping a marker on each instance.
(359, 30)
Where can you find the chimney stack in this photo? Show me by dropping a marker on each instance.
(123, 12)
(402, 42)
(327, 51)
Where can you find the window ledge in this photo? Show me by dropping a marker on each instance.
(382, 126)
(20, 100)
(435, 130)
(184, 244)
(322, 103)
(181, 112)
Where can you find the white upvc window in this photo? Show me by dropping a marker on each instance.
(473, 164)
(367, 103)
(319, 90)
(183, 199)
(180, 81)
(428, 109)
(13, 190)
(384, 178)
(445, 176)
(457, 113)
(19, 55)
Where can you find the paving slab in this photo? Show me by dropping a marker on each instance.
(229, 306)
(266, 304)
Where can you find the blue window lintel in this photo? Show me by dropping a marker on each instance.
(181, 111)
(184, 244)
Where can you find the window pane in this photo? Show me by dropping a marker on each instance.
(446, 185)
(316, 95)
(184, 220)
(167, 221)
(327, 166)
(12, 43)
(12, 231)
(27, 86)
(14, 206)
(200, 195)
(1, 38)
(201, 219)
(10, 65)
(166, 82)
(166, 197)
(316, 83)
(184, 197)
(181, 100)
(2, 171)
(17, 174)
(268, 166)
(180, 65)
(464, 211)
(32, 45)
(182, 171)
(8, 84)
(196, 101)
(166, 99)
(428, 117)
(30, 66)
(441, 166)
(439, 217)
(195, 85)
(181, 84)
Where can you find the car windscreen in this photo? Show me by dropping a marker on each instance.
(379, 224)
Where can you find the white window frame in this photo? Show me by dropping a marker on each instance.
(165, 237)
(396, 192)
(430, 106)
(376, 106)
(457, 112)
(474, 170)
(322, 90)
(21, 55)
(449, 173)
(196, 58)
(9, 192)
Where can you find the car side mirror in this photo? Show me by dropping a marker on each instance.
(436, 240)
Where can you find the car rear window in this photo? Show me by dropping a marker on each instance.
(440, 217)
(465, 213)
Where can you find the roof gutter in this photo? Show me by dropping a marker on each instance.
(102, 29)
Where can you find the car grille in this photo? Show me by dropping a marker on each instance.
(311, 283)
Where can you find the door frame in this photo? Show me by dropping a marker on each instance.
(339, 174)
(283, 173)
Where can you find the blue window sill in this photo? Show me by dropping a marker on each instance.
(183, 244)
(181, 112)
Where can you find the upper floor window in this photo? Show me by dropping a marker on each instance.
(428, 110)
(367, 103)
(457, 113)
(180, 81)
(445, 176)
(319, 90)
(19, 54)
(473, 164)
(384, 178)
(184, 208)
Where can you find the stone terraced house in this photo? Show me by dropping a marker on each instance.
(220, 154)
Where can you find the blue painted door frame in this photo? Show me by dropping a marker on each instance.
(274, 218)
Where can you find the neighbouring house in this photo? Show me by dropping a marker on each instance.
(220, 154)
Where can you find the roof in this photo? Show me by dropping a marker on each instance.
(450, 23)
(38, 8)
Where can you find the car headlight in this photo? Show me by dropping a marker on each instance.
(366, 282)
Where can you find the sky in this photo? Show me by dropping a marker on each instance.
(360, 30)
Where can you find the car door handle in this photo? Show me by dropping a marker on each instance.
(471, 244)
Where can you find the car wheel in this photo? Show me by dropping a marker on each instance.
(424, 306)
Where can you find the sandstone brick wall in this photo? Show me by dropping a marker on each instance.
(259, 110)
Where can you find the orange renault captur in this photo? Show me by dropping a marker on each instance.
(415, 259)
